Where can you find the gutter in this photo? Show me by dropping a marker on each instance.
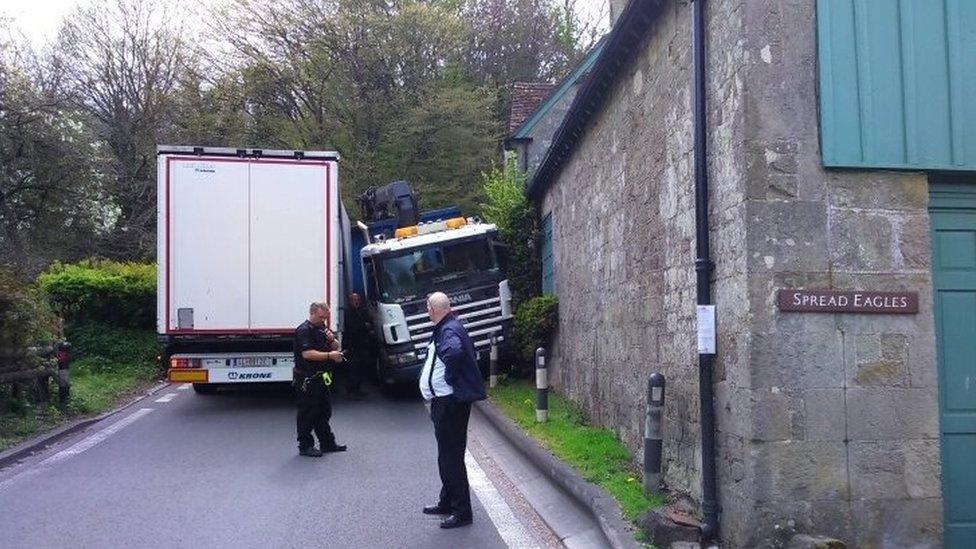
(703, 270)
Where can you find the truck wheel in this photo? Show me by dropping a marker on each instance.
(204, 388)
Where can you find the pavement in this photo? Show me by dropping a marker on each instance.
(177, 469)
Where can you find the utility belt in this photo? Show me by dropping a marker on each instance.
(303, 379)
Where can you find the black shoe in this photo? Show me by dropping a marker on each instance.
(311, 451)
(436, 510)
(334, 448)
(455, 521)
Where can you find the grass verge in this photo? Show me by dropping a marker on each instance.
(595, 453)
(114, 364)
(92, 393)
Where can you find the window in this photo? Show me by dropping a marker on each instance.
(548, 281)
(414, 273)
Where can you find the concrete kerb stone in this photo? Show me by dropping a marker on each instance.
(29, 447)
(603, 507)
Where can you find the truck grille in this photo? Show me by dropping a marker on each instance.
(482, 318)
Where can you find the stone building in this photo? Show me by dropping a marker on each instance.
(841, 146)
(531, 130)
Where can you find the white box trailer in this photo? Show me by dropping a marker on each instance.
(247, 239)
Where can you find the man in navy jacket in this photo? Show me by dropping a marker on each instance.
(451, 381)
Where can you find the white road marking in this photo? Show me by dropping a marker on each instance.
(184, 387)
(167, 397)
(80, 447)
(511, 530)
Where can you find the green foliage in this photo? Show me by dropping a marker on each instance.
(595, 453)
(49, 186)
(25, 318)
(102, 347)
(94, 392)
(535, 323)
(449, 138)
(507, 207)
(117, 294)
(504, 193)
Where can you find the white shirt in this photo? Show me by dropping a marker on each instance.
(432, 383)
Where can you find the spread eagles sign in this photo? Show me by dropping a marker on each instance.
(832, 301)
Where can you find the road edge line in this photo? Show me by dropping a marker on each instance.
(500, 513)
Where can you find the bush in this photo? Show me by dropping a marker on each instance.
(535, 323)
(509, 209)
(25, 318)
(100, 348)
(103, 292)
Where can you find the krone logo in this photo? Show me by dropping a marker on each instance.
(247, 375)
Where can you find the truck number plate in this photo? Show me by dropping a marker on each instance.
(251, 361)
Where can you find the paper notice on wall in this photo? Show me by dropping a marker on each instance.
(706, 329)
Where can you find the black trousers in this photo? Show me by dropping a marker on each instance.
(314, 412)
(450, 418)
(351, 370)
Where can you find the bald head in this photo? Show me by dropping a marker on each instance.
(438, 306)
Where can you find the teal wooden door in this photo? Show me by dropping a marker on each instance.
(953, 217)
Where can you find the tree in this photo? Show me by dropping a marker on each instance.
(521, 40)
(49, 188)
(375, 80)
(122, 60)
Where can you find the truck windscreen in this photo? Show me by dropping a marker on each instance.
(441, 267)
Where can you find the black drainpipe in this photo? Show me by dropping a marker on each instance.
(703, 269)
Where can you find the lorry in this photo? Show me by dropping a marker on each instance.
(407, 255)
(247, 239)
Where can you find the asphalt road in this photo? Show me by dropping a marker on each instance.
(223, 470)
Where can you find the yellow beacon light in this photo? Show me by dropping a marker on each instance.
(456, 222)
(405, 232)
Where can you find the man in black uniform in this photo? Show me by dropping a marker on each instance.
(316, 351)
(358, 343)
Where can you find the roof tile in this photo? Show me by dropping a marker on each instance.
(526, 98)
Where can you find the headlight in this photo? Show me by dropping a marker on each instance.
(402, 358)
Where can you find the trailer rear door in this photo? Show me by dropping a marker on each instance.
(208, 256)
(290, 249)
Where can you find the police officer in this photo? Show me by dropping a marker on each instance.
(316, 352)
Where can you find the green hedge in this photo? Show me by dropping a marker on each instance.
(103, 348)
(104, 292)
(535, 323)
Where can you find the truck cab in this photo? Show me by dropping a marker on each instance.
(460, 257)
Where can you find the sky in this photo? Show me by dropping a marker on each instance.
(39, 19)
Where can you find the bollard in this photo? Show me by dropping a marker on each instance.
(541, 387)
(652, 433)
(493, 364)
(64, 376)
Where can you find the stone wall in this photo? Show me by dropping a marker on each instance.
(827, 424)
(842, 409)
(623, 243)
